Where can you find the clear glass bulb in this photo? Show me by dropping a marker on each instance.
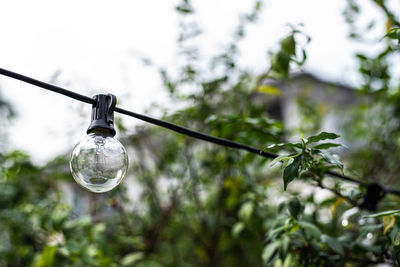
(99, 162)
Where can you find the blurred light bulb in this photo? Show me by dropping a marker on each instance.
(99, 162)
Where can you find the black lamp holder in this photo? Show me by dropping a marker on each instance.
(103, 113)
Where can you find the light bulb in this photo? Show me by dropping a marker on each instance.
(99, 162)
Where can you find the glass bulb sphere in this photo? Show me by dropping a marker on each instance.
(99, 162)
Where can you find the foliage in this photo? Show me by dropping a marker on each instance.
(308, 161)
(203, 205)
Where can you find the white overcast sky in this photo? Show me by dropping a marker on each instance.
(95, 45)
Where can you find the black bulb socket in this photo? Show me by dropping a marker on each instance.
(103, 114)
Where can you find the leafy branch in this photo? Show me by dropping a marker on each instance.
(309, 158)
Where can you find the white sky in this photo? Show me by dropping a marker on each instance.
(95, 45)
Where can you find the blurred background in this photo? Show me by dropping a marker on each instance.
(95, 47)
(256, 72)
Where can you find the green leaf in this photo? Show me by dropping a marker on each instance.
(291, 225)
(303, 60)
(294, 207)
(131, 258)
(333, 243)
(285, 240)
(384, 213)
(286, 145)
(335, 205)
(289, 45)
(288, 261)
(291, 172)
(395, 236)
(326, 145)
(246, 210)
(311, 230)
(330, 159)
(287, 162)
(322, 136)
(388, 223)
(281, 159)
(237, 228)
(277, 231)
(398, 37)
(258, 5)
(186, 9)
(361, 57)
(269, 251)
(270, 90)
(47, 257)
(392, 34)
(278, 263)
(280, 63)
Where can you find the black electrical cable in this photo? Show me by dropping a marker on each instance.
(173, 127)
(47, 86)
(195, 134)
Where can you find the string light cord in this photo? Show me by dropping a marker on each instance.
(47, 86)
(177, 128)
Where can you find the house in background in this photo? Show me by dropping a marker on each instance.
(307, 105)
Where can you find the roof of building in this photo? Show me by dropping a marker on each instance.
(301, 76)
